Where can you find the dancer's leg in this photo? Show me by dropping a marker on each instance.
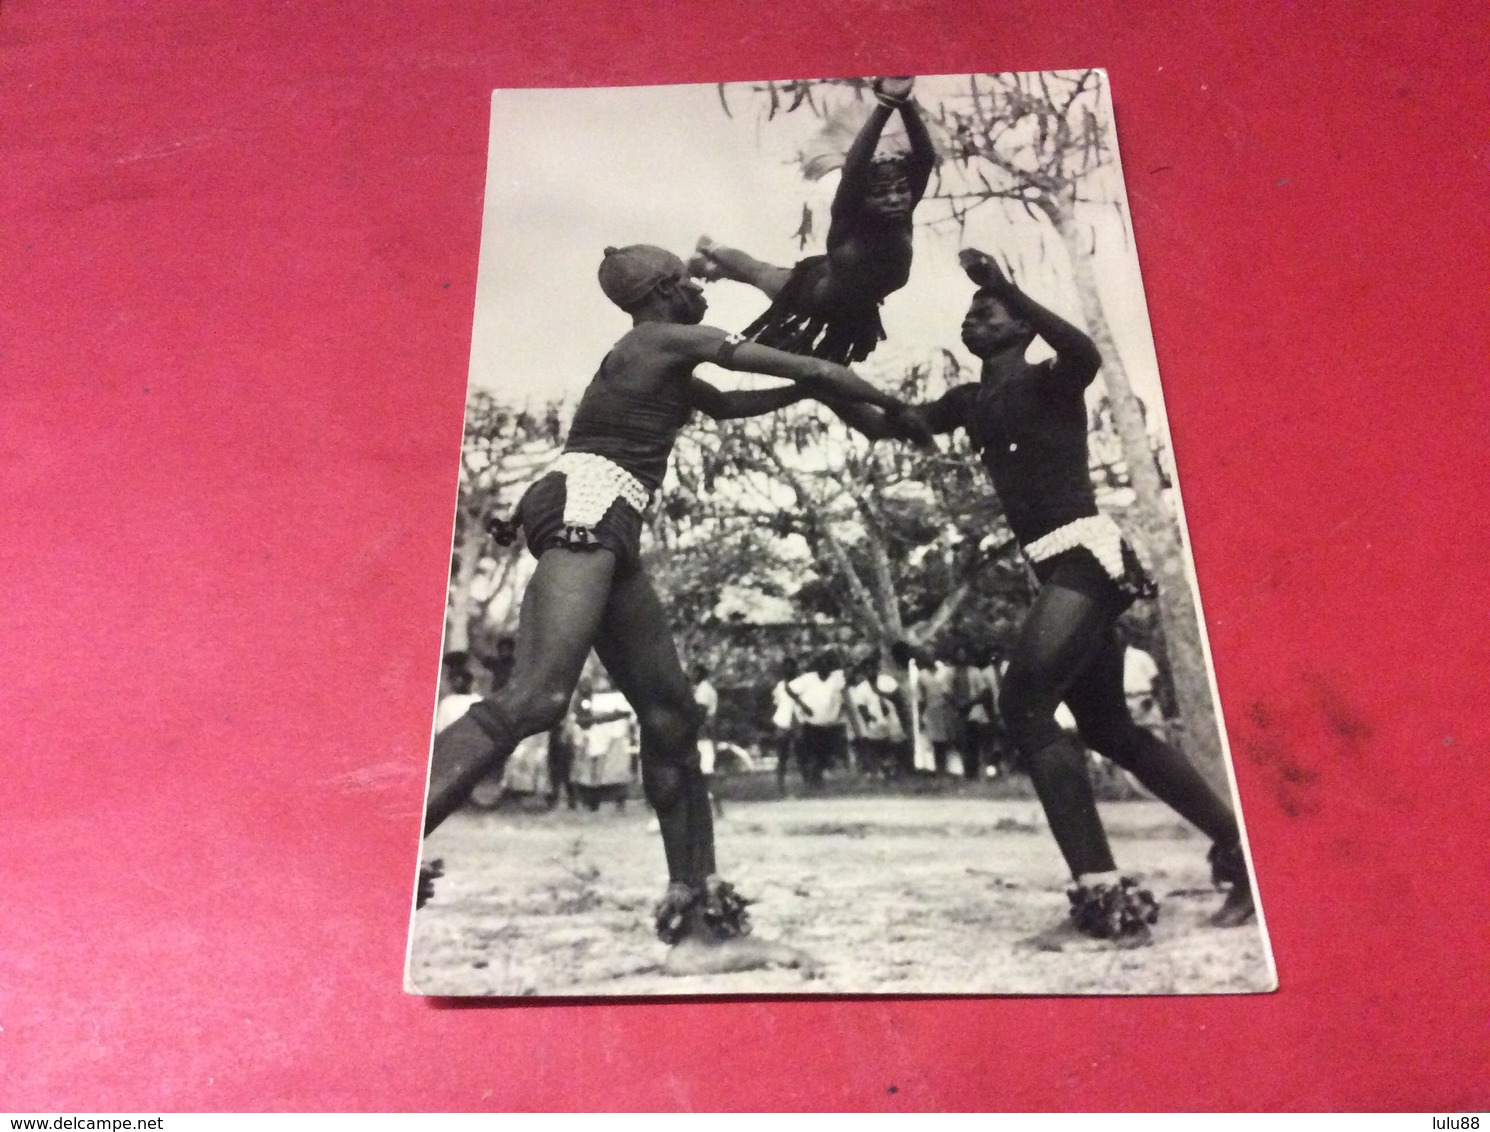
(637, 650)
(1058, 637)
(716, 261)
(1064, 629)
(1097, 702)
(561, 612)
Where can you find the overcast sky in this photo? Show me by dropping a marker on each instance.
(571, 171)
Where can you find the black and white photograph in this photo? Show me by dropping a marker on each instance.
(821, 618)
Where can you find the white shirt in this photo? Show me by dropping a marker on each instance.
(971, 700)
(614, 735)
(822, 698)
(983, 685)
(783, 707)
(878, 718)
(707, 698)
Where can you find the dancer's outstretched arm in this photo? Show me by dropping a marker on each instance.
(733, 404)
(916, 423)
(696, 344)
(1077, 358)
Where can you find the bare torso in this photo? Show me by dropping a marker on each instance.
(866, 264)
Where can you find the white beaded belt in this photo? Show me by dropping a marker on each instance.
(592, 483)
(1098, 533)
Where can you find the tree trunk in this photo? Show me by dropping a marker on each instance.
(836, 560)
(883, 582)
(1160, 535)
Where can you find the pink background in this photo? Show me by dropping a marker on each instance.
(239, 261)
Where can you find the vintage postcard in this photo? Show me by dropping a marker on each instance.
(821, 618)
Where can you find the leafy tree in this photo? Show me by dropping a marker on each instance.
(504, 448)
(887, 538)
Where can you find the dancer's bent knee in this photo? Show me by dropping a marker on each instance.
(666, 784)
(520, 713)
(1120, 741)
(670, 759)
(670, 733)
(1031, 726)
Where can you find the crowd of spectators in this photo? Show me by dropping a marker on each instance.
(909, 712)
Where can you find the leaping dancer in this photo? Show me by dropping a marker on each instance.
(1029, 425)
(828, 305)
(583, 521)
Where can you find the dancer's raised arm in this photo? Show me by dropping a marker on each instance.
(1077, 358)
(891, 94)
(922, 157)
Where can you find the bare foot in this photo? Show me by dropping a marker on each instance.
(1239, 908)
(693, 956)
(1229, 866)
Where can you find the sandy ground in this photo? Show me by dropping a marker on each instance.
(890, 895)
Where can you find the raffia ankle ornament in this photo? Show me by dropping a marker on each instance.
(713, 911)
(1119, 912)
(672, 912)
(723, 910)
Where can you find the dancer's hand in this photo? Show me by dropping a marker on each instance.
(702, 265)
(909, 425)
(983, 270)
(896, 89)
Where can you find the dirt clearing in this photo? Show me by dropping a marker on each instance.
(890, 895)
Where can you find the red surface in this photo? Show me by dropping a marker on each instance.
(239, 260)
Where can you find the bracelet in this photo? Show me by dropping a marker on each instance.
(726, 353)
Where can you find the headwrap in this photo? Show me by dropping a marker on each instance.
(628, 274)
(888, 169)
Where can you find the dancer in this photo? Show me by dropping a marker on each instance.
(1029, 424)
(583, 521)
(828, 305)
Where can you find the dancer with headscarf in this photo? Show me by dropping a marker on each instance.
(583, 521)
(828, 305)
(1028, 422)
